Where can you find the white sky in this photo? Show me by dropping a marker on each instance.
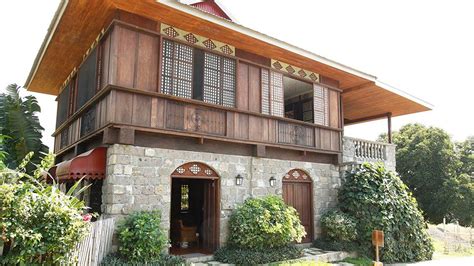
(425, 48)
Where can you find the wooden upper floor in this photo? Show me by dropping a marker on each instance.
(124, 70)
(175, 82)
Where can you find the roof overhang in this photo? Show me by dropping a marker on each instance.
(69, 37)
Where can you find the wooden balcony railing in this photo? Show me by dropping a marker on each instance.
(155, 112)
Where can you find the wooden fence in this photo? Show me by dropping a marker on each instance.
(97, 244)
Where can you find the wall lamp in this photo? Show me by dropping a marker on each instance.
(239, 180)
(272, 181)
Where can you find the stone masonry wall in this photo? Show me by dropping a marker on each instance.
(138, 178)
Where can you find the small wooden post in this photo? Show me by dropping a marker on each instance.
(389, 125)
(377, 241)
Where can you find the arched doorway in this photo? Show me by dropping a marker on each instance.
(298, 193)
(195, 208)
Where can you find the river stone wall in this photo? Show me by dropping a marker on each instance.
(138, 178)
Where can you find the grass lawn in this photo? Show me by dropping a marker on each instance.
(359, 261)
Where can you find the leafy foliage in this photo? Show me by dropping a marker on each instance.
(378, 199)
(339, 226)
(114, 259)
(19, 121)
(39, 224)
(437, 171)
(264, 223)
(244, 256)
(141, 238)
(326, 243)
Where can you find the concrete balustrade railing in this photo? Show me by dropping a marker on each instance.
(357, 151)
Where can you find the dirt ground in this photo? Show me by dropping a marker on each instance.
(452, 240)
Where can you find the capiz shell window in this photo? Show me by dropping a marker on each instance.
(177, 69)
(219, 80)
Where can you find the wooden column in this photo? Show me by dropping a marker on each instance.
(389, 124)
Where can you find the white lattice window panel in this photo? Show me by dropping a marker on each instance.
(180, 170)
(177, 69)
(195, 169)
(276, 96)
(265, 91)
(219, 80)
(321, 106)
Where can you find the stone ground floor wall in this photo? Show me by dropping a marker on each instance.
(138, 178)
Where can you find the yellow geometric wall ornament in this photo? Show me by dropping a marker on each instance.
(293, 70)
(198, 40)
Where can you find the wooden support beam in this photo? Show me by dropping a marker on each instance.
(126, 136)
(260, 151)
(201, 141)
(110, 135)
(389, 125)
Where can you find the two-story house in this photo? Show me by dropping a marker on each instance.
(163, 105)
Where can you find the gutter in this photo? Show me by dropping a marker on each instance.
(49, 35)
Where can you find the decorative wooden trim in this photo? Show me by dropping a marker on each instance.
(297, 175)
(195, 170)
(198, 40)
(295, 71)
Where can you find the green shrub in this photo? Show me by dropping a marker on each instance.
(378, 199)
(39, 224)
(325, 243)
(141, 238)
(264, 223)
(339, 226)
(243, 256)
(163, 260)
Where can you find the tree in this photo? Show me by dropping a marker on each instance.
(465, 152)
(20, 125)
(437, 171)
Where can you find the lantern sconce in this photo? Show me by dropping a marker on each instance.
(239, 180)
(272, 181)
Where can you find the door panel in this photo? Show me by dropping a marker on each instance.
(209, 235)
(298, 195)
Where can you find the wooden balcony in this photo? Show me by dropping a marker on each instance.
(123, 108)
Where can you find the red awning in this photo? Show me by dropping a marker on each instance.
(90, 165)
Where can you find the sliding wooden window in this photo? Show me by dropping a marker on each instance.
(86, 80)
(321, 106)
(265, 79)
(277, 106)
(272, 93)
(63, 105)
(219, 80)
(177, 69)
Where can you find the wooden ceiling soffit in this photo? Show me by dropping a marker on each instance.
(295, 71)
(189, 37)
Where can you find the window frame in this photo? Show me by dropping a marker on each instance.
(204, 51)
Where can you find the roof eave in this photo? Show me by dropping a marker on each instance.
(44, 46)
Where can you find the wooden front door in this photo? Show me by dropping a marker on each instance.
(210, 236)
(298, 193)
(205, 183)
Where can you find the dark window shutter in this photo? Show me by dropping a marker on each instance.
(86, 80)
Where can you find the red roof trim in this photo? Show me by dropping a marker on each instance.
(210, 6)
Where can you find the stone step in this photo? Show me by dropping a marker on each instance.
(310, 255)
